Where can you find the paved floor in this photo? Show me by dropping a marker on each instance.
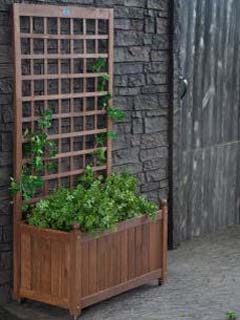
(203, 284)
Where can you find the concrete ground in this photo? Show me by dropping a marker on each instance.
(203, 283)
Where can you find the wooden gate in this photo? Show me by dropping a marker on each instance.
(208, 141)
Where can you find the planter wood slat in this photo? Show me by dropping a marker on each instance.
(72, 269)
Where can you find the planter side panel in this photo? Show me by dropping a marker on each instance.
(121, 257)
(45, 266)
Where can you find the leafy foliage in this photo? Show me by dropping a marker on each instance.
(115, 114)
(104, 103)
(39, 147)
(96, 203)
(231, 315)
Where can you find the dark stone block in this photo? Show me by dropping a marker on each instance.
(120, 81)
(126, 156)
(164, 184)
(6, 233)
(150, 25)
(122, 142)
(155, 164)
(137, 25)
(154, 153)
(135, 3)
(122, 128)
(150, 186)
(5, 261)
(7, 114)
(128, 91)
(128, 38)
(5, 173)
(132, 54)
(156, 67)
(155, 124)
(155, 89)
(157, 78)
(137, 126)
(161, 41)
(6, 71)
(162, 26)
(123, 102)
(5, 206)
(5, 294)
(131, 168)
(7, 141)
(5, 54)
(159, 55)
(136, 80)
(128, 68)
(158, 5)
(156, 175)
(122, 24)
(5, 277)
(154, 140)
(146, 102)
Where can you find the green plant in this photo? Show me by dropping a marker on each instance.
(38, 147)
(96, 203)
(231, 315)
(104, 102)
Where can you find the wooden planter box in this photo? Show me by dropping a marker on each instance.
(74, 270)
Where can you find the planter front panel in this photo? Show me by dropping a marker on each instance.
(45, 265)
(120, 257)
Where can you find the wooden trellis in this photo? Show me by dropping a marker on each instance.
(55, 50)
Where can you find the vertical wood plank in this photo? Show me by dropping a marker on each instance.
(26, 260)
(124, 256)
(36, 264)
(145, 248)
(75, 274)
(85, 268)
(56, 280)
(92, 254)
(131, 253)
(45, 265)
(139, 251)
(100, 264)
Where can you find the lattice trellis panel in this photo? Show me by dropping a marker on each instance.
(55, 49)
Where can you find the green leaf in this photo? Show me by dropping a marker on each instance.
(115, 114)
(99, 65)
(104, 100)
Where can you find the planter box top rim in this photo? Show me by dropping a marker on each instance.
(123, 225)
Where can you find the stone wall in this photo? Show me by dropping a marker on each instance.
(141, 78)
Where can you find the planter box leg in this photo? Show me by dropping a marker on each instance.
(75, 276)
(164, 208)
(21, 300)
(74, 317)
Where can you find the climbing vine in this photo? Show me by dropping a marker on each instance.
(37, 148)
(113, 113)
